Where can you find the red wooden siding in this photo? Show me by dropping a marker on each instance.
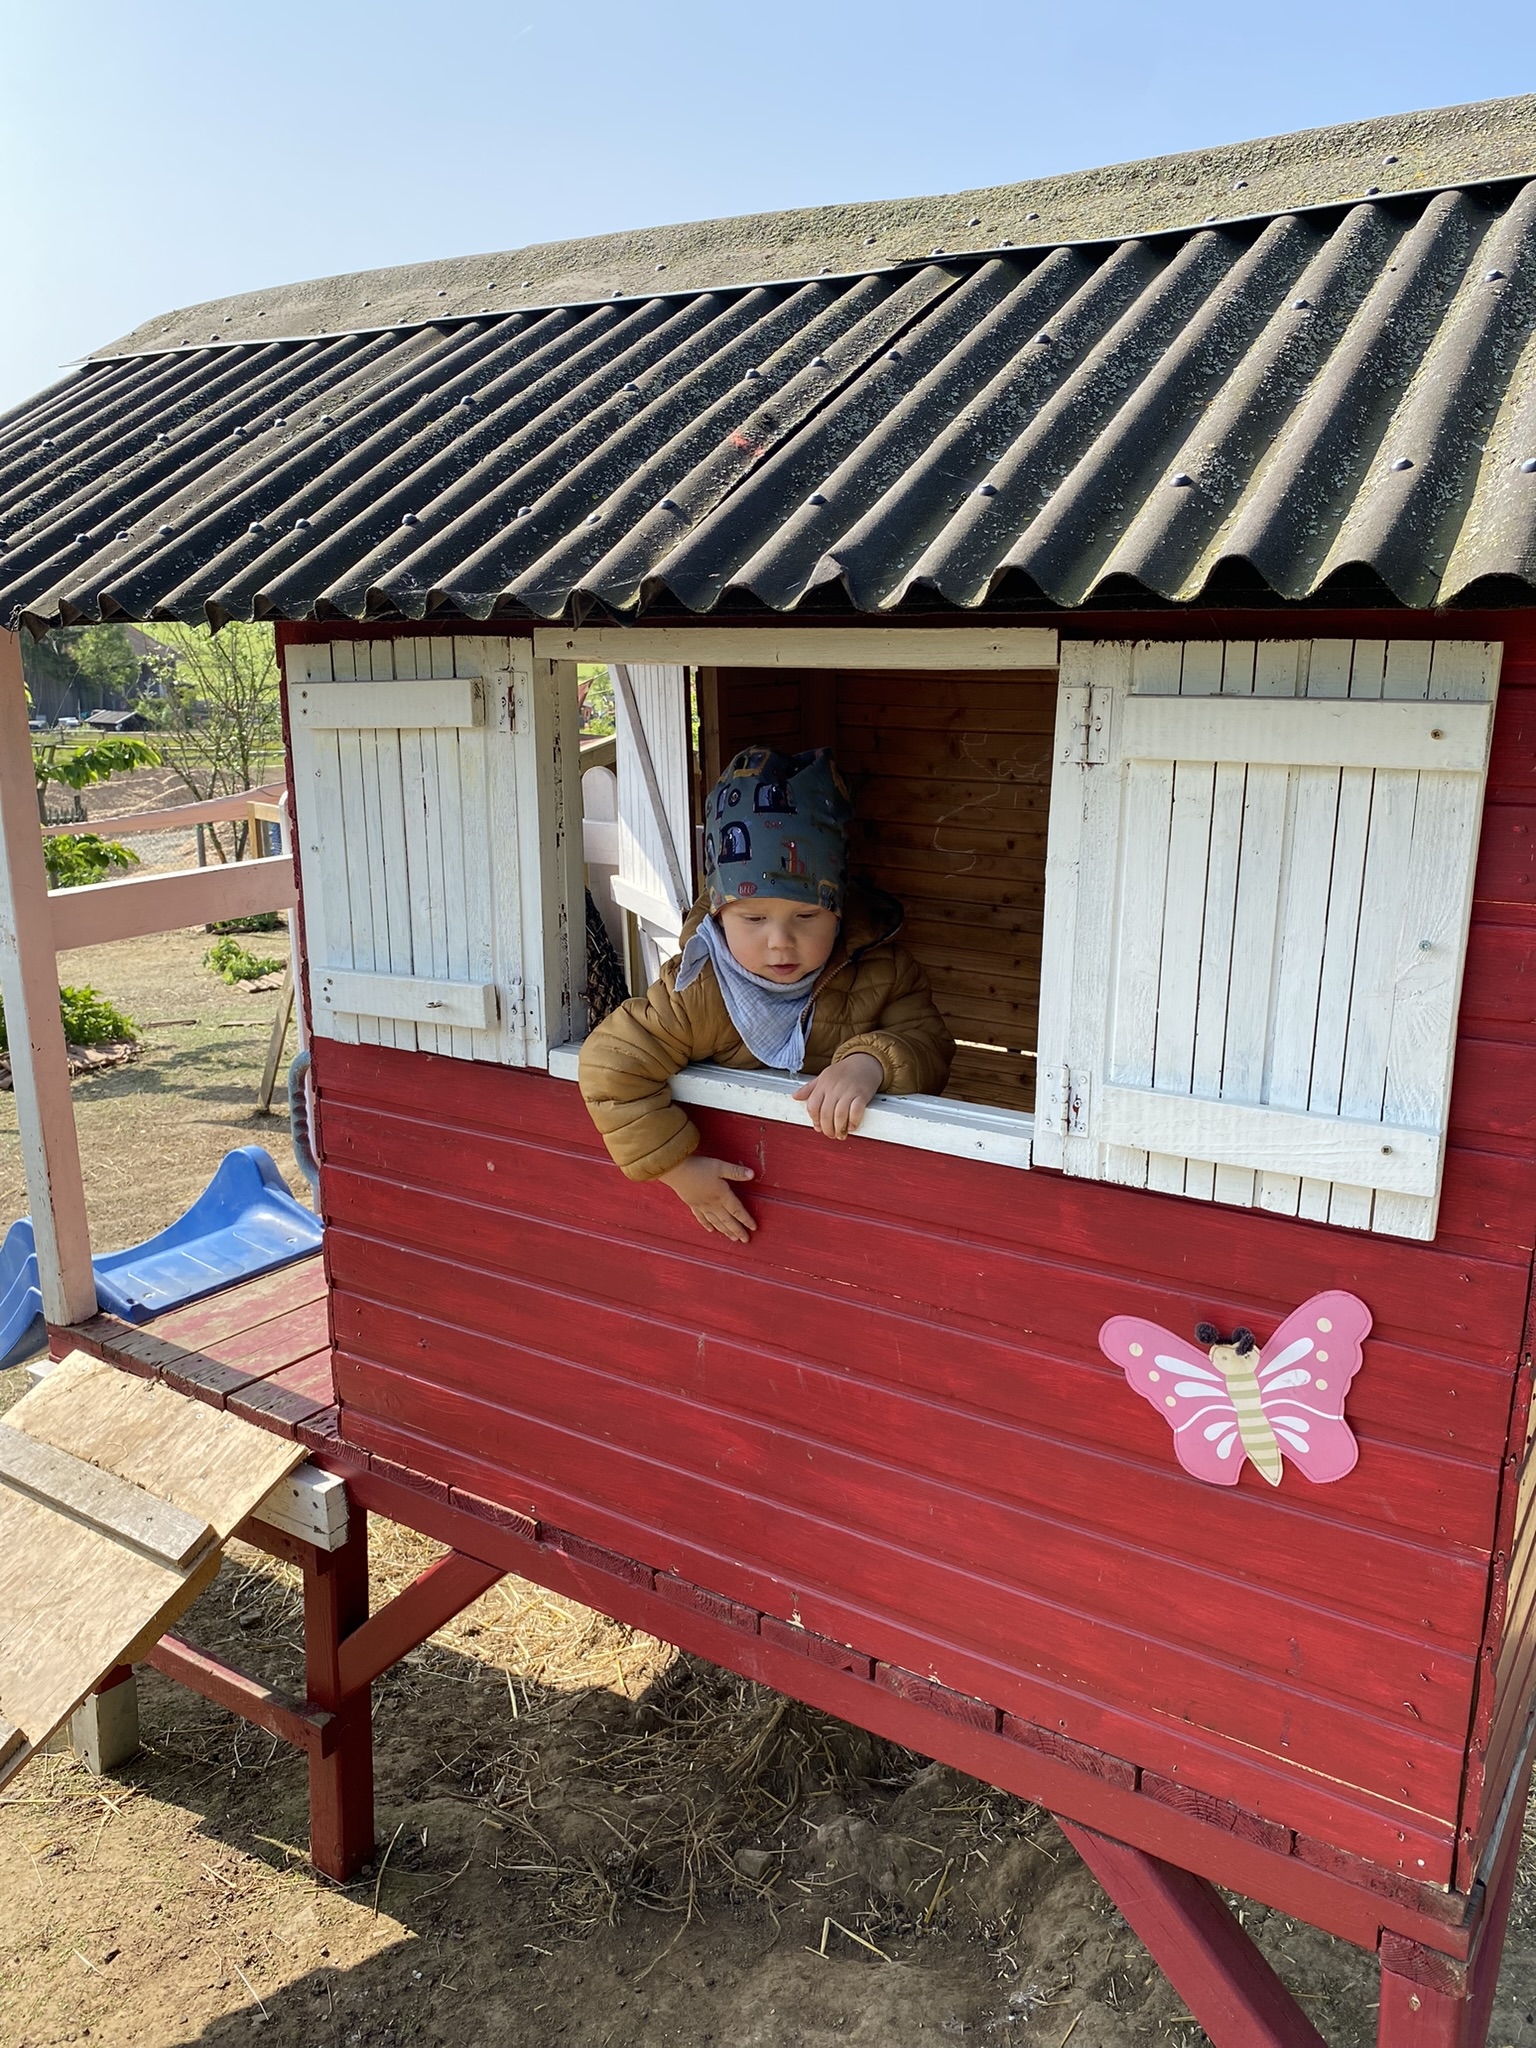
(888, 1419)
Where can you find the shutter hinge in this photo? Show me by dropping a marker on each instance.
(1074, 1099)
(508, 711)
(1064, 1100)
(1087, 740)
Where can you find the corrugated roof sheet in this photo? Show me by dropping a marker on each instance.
(1197, 188)
(1322, 403)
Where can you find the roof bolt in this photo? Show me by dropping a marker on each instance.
(281, 420)
(489, 285)
(986, 490)
(936, 252)
(326, 420)
(301, 526)
(410, 519)
(527, 284)
(818, 362)
(1182, 481)
(213, 337)
(1301, 305)
(826, 270)
(239, 433)
(1209, 218)
(121, 533)
(594, 518)
(523, 511)
(893, 355)
(1403, 462)
(1390, 157)
(166, 532)
(1492, 276)
(631, 387)
(82, 540)
(1371, 191)
(754, 373)
(1031, 216)
(1241, 185)
(256, 527)
(661, 266)
(1528, 467)
(468, 400)
(367, 302)
(666, 504)
(816, 498)
(161, 441)
(442, 295)
(49, 444)
(1005, 243)
(1043, 336)
(870, 240)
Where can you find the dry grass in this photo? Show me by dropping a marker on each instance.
(152, 1132)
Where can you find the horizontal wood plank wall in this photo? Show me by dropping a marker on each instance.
(950, 776)
(889, 1420)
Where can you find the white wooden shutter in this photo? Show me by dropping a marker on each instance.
(644, 883)
(438, 830)
(1259, 879)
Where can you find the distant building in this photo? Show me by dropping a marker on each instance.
(118, 721)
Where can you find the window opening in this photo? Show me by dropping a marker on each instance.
(950, 776)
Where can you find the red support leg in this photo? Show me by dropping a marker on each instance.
(1198, 1945)
(1431, 2001)
(341, 1783)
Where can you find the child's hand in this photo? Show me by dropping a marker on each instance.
(705, 1185)
(837, 1099)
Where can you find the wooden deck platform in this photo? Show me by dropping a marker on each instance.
(260, 1349)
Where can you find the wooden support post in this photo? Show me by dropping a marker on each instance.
(341, 1783)
(29, 983)
(1199, 1946)
(276, 1042)
(1432, 2001)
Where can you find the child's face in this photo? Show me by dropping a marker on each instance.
(778, 937)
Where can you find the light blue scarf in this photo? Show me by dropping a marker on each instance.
(773, 1017)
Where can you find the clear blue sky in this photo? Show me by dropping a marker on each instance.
(161, 152)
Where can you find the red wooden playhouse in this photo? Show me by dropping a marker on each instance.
(1160, 568)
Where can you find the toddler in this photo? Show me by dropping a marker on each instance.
(783, 965)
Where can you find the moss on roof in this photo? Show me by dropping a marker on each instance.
(1319, 166)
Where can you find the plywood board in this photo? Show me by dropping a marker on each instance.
(73, 1600)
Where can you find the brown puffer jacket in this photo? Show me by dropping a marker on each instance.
(872, 997)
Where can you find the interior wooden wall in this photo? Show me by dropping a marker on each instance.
(950, 775)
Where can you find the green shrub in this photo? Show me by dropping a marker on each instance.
(76, 858)
(88, 1019)
(231, 962)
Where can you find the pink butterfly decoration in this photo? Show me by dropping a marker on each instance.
(1233, 1401)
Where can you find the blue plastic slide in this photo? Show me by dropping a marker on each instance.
(244, 1222)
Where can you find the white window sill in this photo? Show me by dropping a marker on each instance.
(927, 1123)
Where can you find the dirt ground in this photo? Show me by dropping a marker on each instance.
(586, 1841)
(152, 1132)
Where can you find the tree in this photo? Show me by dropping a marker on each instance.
(218, 721)
(77, 767)
(76, 669)
(594, 693)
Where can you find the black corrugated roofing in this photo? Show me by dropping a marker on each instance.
(1333, 400)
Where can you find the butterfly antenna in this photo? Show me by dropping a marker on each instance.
(1207, 1333)
(1243, 1342)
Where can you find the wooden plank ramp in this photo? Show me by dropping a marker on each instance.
(115, 1501)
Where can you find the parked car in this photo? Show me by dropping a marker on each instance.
(69, 724)
(37, 725)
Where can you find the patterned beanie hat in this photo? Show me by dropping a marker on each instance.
(777, 825)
